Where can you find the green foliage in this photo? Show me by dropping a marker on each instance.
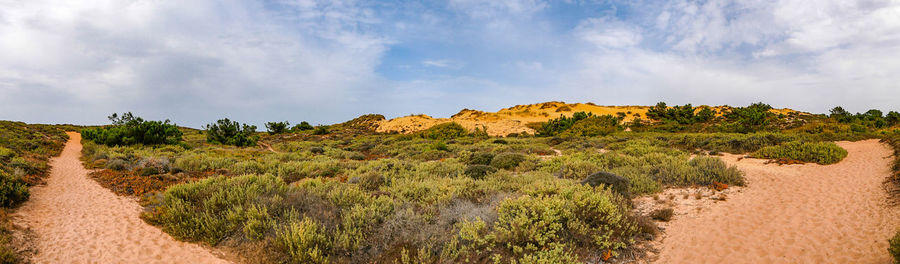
(818, 152)
(130, 130)
(232, 133)
(481, 158)
(321, 130)
(277, 127)
(563, 123)
(304, 240)
(445, 131)
(894, 247)
(507, 160)
(594, 126)
(479, 171)
(13, 191)
(303, 126)
(680, 114)
(752, 118)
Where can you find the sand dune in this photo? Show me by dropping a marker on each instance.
(75, 220)
(514, 119)
(794, 214)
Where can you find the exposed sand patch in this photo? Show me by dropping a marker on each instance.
(514, 119)
(75, 220)
(793, 214)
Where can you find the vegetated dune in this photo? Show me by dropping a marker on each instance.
(75, 220)
(514, 119)
(794, 214)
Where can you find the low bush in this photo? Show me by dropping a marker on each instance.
(664, 214)
(478, 171)
(481, 158)
(13, 190)
(303, 126)
(818, 152)
(232, 133)
(616, 183)
(594, 126)
(445, 131)
(507, 160)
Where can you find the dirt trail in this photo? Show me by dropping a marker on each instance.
(75, 220)
(794, 214)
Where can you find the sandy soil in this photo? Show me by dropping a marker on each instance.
(75, 220)
(794, 214)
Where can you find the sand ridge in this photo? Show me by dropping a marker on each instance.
(76, 220)
(794, 214)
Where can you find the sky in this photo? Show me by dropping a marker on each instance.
(197, 61)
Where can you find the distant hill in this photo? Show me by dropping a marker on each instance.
(514, 119)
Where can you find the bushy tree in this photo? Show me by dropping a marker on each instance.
(556, 126)
(230, 132)
(277, 127)
(303, 126)
(892, 118)
(594, 126)
(129, 129)
(752, 118)
(445, 131)
(683, 115)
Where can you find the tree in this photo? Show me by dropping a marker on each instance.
(892, 118)
(303, 126)
(838, 113)
(228, 132)
(129, 129)
(277, 127)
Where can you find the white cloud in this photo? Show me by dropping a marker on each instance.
(204, 59)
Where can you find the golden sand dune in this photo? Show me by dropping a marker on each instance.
(514, 119)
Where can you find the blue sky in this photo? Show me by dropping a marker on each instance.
(329, 61)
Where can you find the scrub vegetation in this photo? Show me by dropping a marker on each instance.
(25, 151)
(345, 194)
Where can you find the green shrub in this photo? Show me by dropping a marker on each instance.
(13, 191)
(710, 170)
(616, 183)
(232, 133)
(305, 241)
(129, 130)
(556, 126)
(507, 160)
(594, 126)
(481, 158)
(303, 126)
(321, 130)
(445, 131)
(209, 210)
(478, 171)
(818, 152)
(894, 248)
(277, 127)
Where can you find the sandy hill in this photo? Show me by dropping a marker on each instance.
(514, 119)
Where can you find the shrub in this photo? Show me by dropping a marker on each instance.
(118, 165)
(305, 241)
(818, 152)
(317, 150)
(711, 170)
(748, 119)
(277, 127)
(321, 130)
(556, 126)
(507, 160)
(230, 132)
(129, 130)
(594, 126)
(481, 158)
(445, 131)
(303, 126)
(478, 171)
(614, 182)
(13, 190)
(664, 214)
(894, 248)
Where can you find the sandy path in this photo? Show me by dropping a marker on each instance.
(78, 221)
(795, 214)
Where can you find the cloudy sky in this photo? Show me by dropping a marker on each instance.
(329, 61)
